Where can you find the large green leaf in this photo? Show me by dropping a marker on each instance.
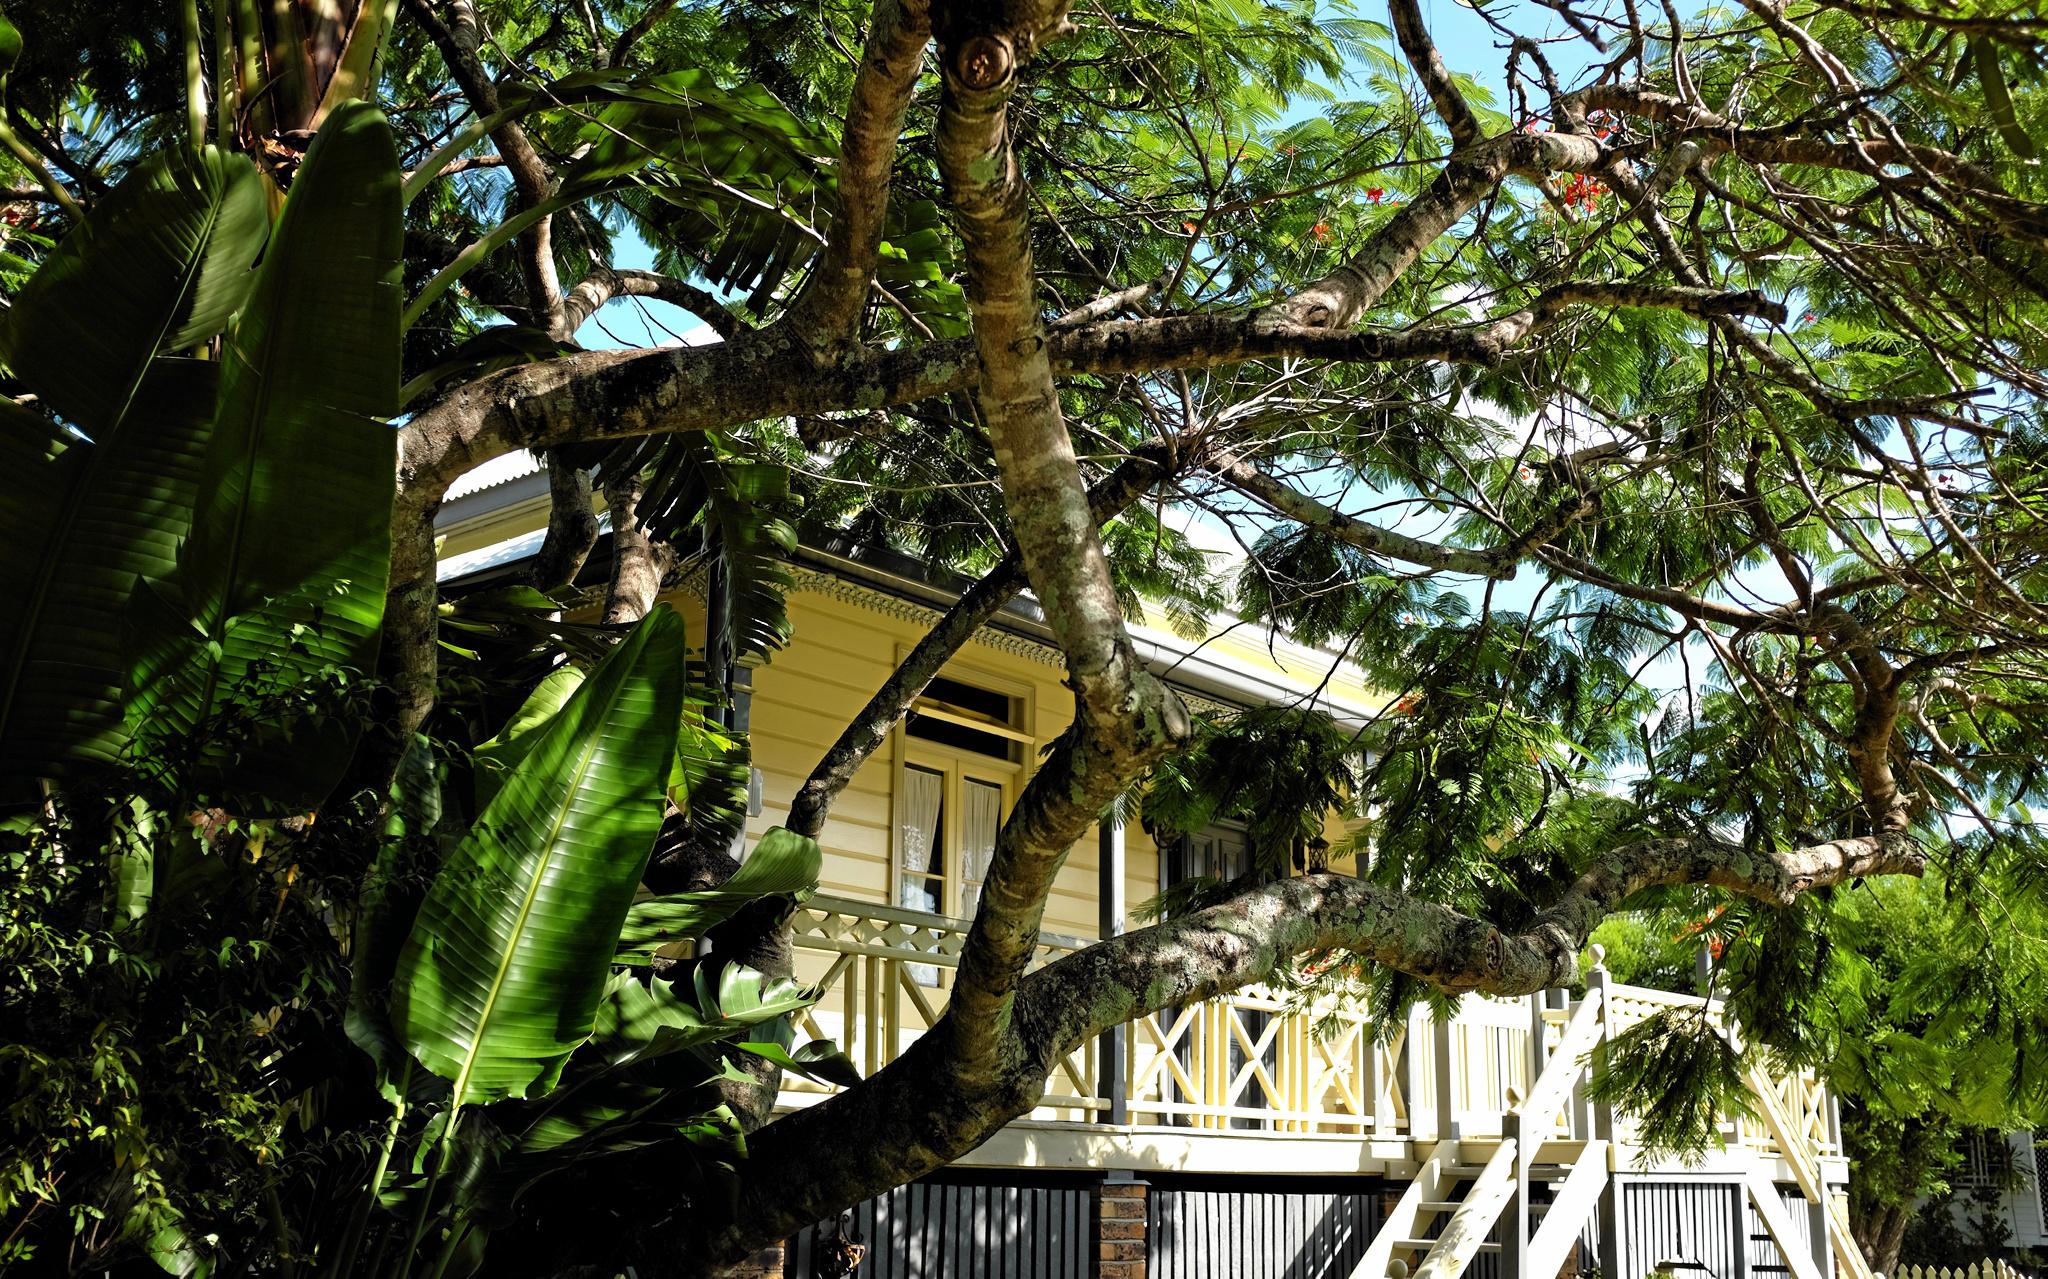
(709, 786)
(630, 1065)
(502, 975)
(297, 488)
(783, 864)
(162, 263)
(730, 172)
(79, 524)
(496, 758)
(283, 577)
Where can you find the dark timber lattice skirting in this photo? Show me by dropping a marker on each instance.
(1025, 1225)
(1702, 1229)
(1210, 1229)
(956, 1226)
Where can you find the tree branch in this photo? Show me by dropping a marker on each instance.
(459, 40)
(911, 1118)
(1339, 299)
(572, 527)
(1794, 143)
(608, 395)
(1111, 303)
(868, 730)
(638, 561)
(635, 33)
(1371, 538)
(603, 284)
(1123, 717)
(1436, 77)
(826, 314)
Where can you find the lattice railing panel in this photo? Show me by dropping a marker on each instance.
(1254, 1060)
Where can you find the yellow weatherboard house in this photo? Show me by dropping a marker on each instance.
(1243, 1136)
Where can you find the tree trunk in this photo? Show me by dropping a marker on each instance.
(572, 527)
(638, 561)
(1879, 1229)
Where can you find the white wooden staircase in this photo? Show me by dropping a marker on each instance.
(1473, 1197)
(1449, 1212)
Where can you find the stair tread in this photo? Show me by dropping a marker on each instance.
(1424, 1245)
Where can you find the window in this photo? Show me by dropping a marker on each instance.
(963, 762)
(964, 717)
(921, 872)
(926, 865)
(1218, 852)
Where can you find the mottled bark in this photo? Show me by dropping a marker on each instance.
(638, 561)
(1123, 717)
(826, 315)
(1429, 66)
(572, 527)
(988, 1060)
(603, 395)
(1468, 179)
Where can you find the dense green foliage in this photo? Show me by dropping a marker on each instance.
(1718, 481)
(255, 1015)
(1918, 1002)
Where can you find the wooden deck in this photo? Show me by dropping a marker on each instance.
(1484, 1118)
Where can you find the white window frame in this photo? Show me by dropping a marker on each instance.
(958, 767)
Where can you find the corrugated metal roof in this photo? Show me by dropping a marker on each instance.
(499, 470)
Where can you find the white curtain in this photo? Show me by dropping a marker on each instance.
(923, 794)
(981, 816)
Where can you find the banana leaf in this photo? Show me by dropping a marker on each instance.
(81, 522)
(161, 264)
(497, 758)
(699, 488)
(783, 864)
(278, 594)
(502, 976)
(643, 1049)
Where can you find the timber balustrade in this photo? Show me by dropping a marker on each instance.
(1259, 1061)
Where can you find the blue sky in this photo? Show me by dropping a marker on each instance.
(1467, 43)
(1469, 46)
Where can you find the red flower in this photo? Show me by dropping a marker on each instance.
(1322, 230)
(1188, 227)
(1375, 194)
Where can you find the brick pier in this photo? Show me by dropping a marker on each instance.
(1120, 1230)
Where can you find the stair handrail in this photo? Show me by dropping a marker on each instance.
(1465, 1233)
(1804, 1159)
(1553, 1087)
